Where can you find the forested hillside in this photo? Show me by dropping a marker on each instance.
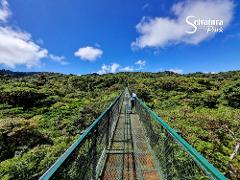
(41, 114)
(204, 108)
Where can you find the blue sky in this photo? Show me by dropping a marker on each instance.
(87, 36)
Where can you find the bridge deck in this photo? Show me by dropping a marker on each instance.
(129, 156)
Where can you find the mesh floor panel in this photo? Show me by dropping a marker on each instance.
(129, 156)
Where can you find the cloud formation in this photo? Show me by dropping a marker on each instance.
(175, 70)
(105, 69)
(114, 67)
(141, 64)
(17, 46)
(88, 53)
(160, 32)
(59, 59)
(4, 11)
(127, 69)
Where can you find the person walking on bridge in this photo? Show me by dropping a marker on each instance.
(133, 100)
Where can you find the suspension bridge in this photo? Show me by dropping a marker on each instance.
(138, 145)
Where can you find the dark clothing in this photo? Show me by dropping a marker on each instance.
(132, 103)
(133, 99)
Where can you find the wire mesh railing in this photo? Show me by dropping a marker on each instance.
(177, 159)
(85, 158)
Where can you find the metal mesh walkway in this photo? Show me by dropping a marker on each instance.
(120, 158)
(140, 145)
(129, 156)
(146, 164)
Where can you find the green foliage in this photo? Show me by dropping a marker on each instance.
(232, 95)
(19, 135)
(205, 108)
(20, 96)
(206, 99)
(41, 114)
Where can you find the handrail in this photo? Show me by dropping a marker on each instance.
(196, 155)
(60, 161)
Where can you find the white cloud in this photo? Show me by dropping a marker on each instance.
(210, 72)
(176, 70)
(40, 41)
(141, 64)
(88, 53)
(164, 31)
(59, 59)
(4, 10)
(17, 46)
(113, 68)
(127, 69)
